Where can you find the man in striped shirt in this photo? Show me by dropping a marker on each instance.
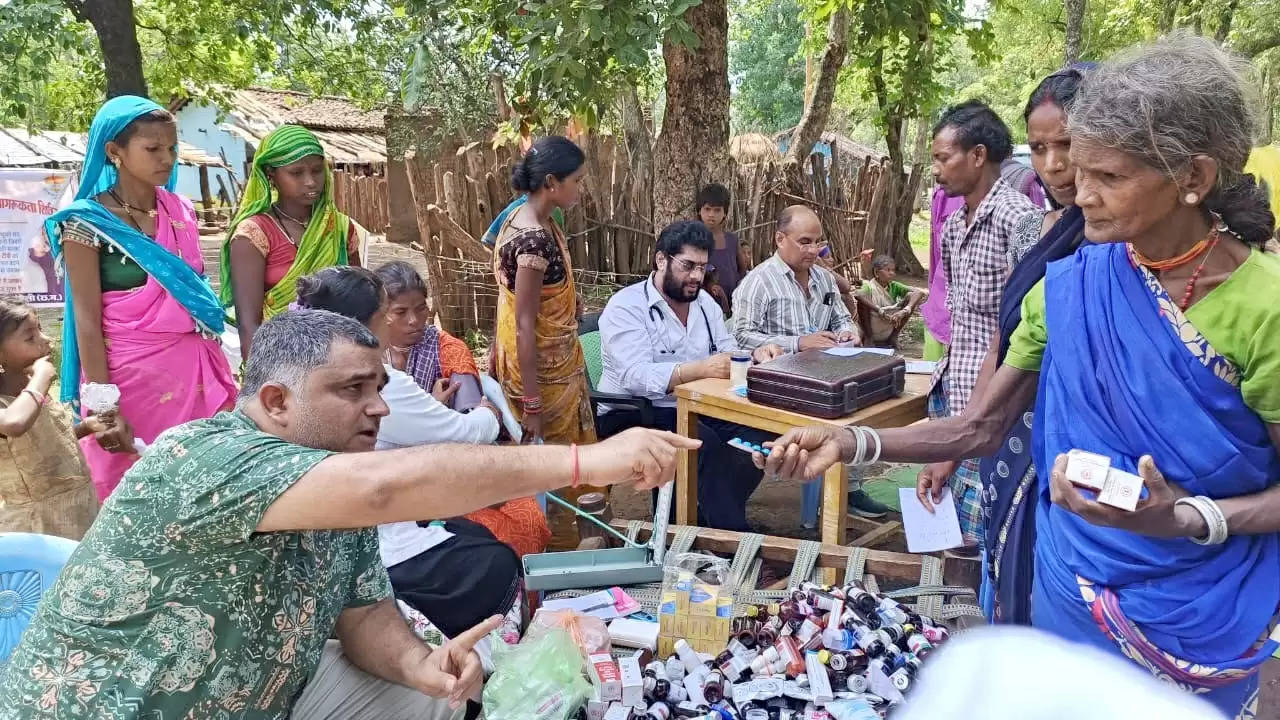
(788, 299)
(793, 302)
(969, 144)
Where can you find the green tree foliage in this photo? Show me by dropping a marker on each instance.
(766, 65)
(1028, 37)
(562, 57)
(200, 50)
(900, 52)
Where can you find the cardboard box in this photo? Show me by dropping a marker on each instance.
(596, 708)
(618, 711)
(1086, 469)
(632, 682)
(703, 599)
(1121, 490)
(605, 676)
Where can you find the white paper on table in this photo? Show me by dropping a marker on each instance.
(921, 367)
(926, 531)
(850, 351)
(597, 604)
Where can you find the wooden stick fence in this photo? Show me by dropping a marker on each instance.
(860, 200)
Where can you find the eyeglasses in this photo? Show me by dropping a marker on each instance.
(808, 244)
(688, 266)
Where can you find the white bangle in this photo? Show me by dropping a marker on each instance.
(875, 436)
(1214, 520)
(860, 453)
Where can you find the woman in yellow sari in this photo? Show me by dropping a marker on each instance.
(536, 353)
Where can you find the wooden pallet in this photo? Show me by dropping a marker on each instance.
(890, 568)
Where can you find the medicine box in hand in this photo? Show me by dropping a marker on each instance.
(1086, 469)
(1121, 490)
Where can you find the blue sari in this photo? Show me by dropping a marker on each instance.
(1124, 374)
(1009, 476)
(97, 176)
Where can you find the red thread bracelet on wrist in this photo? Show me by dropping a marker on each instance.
(573, 447)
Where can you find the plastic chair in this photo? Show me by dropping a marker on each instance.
(29, 563)
(589, 339)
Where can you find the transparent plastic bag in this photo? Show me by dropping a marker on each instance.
(590, 633)
(539, 679)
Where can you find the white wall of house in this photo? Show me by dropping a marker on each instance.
(199, 125)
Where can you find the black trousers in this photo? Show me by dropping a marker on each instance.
(726, 476)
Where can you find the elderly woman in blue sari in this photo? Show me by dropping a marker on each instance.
(1156, 347)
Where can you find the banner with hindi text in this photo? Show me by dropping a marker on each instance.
(27, 197)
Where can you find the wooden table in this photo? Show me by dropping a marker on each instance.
(713, 398)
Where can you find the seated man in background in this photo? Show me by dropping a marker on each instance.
(791, 301)
(886, 303)
(214, 576)
(664, 331)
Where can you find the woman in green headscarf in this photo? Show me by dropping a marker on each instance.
(287, 227)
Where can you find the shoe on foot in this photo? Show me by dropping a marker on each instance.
(863, 505)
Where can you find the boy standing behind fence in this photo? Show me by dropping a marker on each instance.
(730, 258)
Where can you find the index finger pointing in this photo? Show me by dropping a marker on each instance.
(679, 441)
(467, 639)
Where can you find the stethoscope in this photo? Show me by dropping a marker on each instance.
(659, 320)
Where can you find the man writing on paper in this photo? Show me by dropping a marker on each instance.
(664, 331)
(790, 301)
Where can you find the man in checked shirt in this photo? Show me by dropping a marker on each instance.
(793, 302)
(969, 144)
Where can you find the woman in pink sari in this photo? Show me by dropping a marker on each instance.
(139, 313)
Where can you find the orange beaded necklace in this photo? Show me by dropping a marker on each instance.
(1204, 247)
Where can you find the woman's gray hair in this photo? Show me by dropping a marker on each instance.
(289, 346)
(399, 277)
(1167, 102)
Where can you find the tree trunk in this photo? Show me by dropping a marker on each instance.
(1168, 14)
(118, 38)
(1075, 28)
(1269, 87)
(814, 120)
(693, 148)
(1225, 17)
(810, 67)
(639, 143)
(499, 88)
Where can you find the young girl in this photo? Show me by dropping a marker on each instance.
(139, 313)
(44, 481)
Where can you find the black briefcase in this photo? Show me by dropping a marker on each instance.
(816, 383)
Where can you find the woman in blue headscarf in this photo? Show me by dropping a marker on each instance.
(139, 312)
(1155, 346)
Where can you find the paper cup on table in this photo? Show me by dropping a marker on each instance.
(739, 363)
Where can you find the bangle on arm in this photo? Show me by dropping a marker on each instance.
(1213, 519)
(40, 399)
(862, 435)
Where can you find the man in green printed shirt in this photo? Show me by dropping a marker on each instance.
(885, 304)
(213, 579)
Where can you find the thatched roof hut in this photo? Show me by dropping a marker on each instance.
(750, 148)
